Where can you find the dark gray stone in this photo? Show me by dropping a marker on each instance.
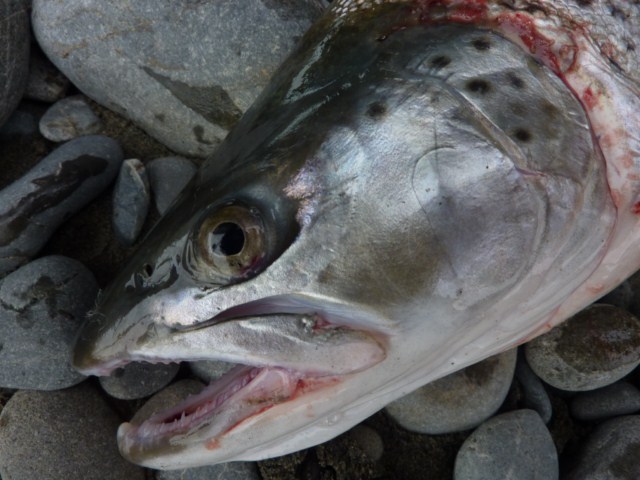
(515, 445)
(184, 72)
(620, 398)
(535, 395)
(69, 118)
(368, 441)
(23, 122)
(596, 347)
(14, 54)
(222, 471)
(62, 435)
(459, 401)
(46, 83)
(138, 380)
(130, 201)
(168, 177)
(210, 370)
(611, 452)
(167, 398)
(32, 207)
(42, 306)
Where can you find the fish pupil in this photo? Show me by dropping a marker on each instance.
(227, 239)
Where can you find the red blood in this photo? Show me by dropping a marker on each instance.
(589, 98)
(636, 208)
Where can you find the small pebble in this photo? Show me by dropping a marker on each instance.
(69, 118)
(514, 445)
(596, 347)
(535, 395)
(168, 177)
(620, 398)
(46, 83)
(42, 306)
(138, 380)
(368, 440)
(62, 435)
(611, 452)
(130, 201)
(210, 370)
(459, 401)
(221, 471)
(167, 398)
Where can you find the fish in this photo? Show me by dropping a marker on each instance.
(423, 184)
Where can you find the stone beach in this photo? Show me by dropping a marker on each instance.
(571, 397)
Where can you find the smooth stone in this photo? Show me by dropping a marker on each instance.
(596, 347)
(168, 177)
(611, 451)
(69, 118)
(23, 122)
(184, 72)
(535, 395)
(516, 444)
(368, 441)
(42, 306)
(222, 471)
(620, 398)
(62, 435)
(15, 39)
(209, 370)
(167, 398)
(32, 207)
(459, 401)
(131, 198)
(138, 380)
(45, 83)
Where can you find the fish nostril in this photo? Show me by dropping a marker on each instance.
(440, 61)
(523, 135)
(481, 44)
(478, 86)
(377, 110)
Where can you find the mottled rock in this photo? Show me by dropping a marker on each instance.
(46, 83)
(131, 199)
(168, 176)
(514, 445)
(185, 72)
(138, 380)
(33, 206)
(611, 452)
(209, 370)
(69, 118)
(42, 306)
(14, 54)
(535, 395)
(459, 401)
(620, 398)
(594, 348)
(222, 471)
(61, 435)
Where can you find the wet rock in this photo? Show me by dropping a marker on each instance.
(69, 118)
(611, 451)
(617, 399)
(14, 54)
(222, 471)
(42, 306)
(138, 380)
(130, 201)
(184, 72)
(33, 206)
(208, 371)
(23, 122)
(535, 395)
(46, 83)
(167, 398)
(594, 348)
(168, 176)
(515, 442)
(459, 401)
(61, 435)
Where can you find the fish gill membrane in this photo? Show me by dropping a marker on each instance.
(422, 185)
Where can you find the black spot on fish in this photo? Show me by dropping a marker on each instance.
(481, 44)
(522, 134)
(478, 86)
(377, 110)
(515, 81)
(440, 61)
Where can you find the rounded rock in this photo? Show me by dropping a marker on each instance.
(167, 398)
(459, 401)
(594, 348)
(368, 441)
(613, 400)
(535, 395)
(138, 380)
(130, 201)
(222, 471)
(516, 442)
(42, 306)
(46, 83)
(69, 118)
(64, 434)
(168, 177)
(209, 370)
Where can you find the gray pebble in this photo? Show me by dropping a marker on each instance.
(596, 347)
(130, 201)
(167, 398)
(69, 118)
(611, 452)
(138, 380)
(620, 398)
(42, 306)
(32, 207)
(168, 176)
(459, 401)
(368, 441)
(515, 442)
(14, 54)
(184, 72)
(209, 370)
(222, 471)
(535, 394)
(62, 435)
(46, 83)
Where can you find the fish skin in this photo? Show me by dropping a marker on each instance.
(411, 322)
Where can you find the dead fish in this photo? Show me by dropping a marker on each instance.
(423, 184)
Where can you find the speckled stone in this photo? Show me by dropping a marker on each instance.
(42, 306)
(62, 435)
(368, 441)
(138, 380)
(131, 198)
(515, 442)
(45, 83)
(168, 177)
(620, 398)
(611, 451)
(69, 118)
(459, 401)
(594, 348)
(184, 72)
(534, 392)
(209, 370)
(222, 471)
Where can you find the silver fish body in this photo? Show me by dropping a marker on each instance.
(423, 184)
